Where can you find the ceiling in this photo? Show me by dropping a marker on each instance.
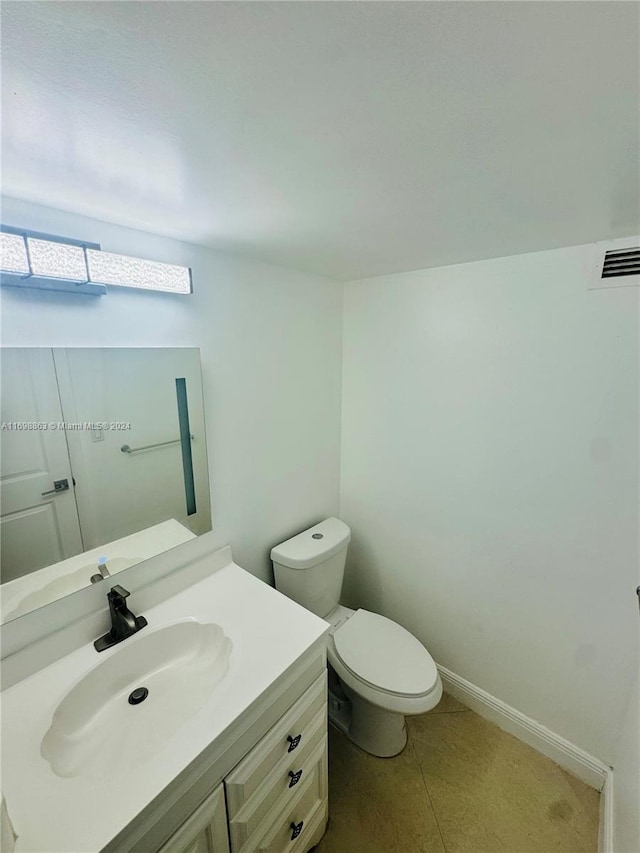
(349, 139)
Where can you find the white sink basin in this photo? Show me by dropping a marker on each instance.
(96, 732)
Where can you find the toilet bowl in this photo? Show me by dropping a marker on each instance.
(384, 672)
(379, 672)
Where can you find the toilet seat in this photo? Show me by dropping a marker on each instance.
(385, 655)
(384, 663)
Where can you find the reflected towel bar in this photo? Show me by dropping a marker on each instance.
(126, 449)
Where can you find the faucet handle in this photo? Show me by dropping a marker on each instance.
(118, 592)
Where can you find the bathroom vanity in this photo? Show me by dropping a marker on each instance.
(274, 799)
(226, 754)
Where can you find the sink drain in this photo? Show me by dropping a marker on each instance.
(138, 695)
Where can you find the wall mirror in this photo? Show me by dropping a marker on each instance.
(103, 464)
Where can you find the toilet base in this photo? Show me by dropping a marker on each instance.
(382, 733)
(376, 731)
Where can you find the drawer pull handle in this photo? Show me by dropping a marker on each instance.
(293, 742)
(296, 829)
(295, 777)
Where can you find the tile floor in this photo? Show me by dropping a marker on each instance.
(461, 786)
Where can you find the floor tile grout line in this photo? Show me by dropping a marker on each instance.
(426, 788)
(453, 711)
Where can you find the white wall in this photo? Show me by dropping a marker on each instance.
(626, 758)
(489, 473)
(270, 342)
(626, 776)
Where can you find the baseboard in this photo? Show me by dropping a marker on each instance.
(570, 757)
(605, 835)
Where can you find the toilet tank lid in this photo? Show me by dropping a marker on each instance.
(312, 546)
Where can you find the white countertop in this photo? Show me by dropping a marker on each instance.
(38, 588)
(51, 814)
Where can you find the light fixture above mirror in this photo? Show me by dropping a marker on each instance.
(47, 262)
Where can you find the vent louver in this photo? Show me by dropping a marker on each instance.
(621, 262)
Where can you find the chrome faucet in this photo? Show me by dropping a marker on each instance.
(123, 623)
(104, 571)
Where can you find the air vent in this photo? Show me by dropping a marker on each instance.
(621, 262)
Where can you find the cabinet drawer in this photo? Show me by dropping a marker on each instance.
(293, 827)
(285, 741)
(279, 791)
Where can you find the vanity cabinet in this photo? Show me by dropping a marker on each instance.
(273, 800)
(205, 831)
(277, 795)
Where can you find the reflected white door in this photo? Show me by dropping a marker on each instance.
(120, 493)
(36, 529)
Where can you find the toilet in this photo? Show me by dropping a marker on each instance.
(378, 671)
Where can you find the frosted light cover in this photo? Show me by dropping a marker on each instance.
(13, 254)
(57, 260)
(107, 268)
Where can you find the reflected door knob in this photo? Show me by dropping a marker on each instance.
(58, 486)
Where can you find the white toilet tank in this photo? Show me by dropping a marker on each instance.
(309, 567)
